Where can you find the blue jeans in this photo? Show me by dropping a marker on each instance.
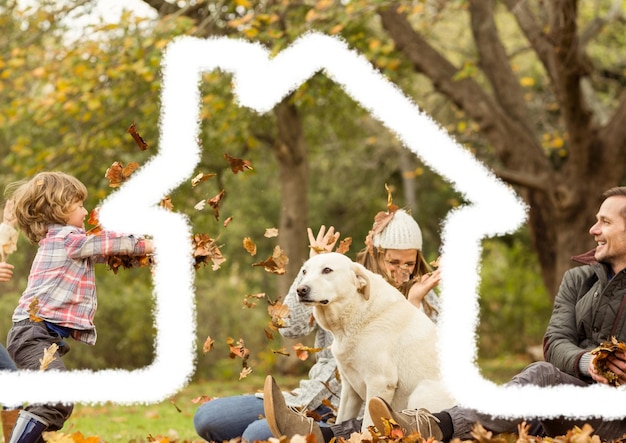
(6, 362)
(226, 418)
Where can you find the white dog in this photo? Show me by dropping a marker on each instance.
(384, 346)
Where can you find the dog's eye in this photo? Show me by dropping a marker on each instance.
(303, 271)
(326, 271)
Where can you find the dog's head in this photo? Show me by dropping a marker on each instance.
(330, 277)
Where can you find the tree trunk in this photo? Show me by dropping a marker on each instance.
(291, 152)
(563, 194)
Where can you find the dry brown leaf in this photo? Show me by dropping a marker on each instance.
(237, 164)
(281, 351)
(278, 313)
(227, 221)
(208, 345)
(249, 246)
(132, 130)
(33, 310)
(201, 177)
(271, 232)
(602, 353)
(215, 203)
(302, 352)
(344, 245)
(245, 372)
(48, 357)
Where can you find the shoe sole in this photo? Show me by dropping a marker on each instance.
(378, 408)
(268, 406)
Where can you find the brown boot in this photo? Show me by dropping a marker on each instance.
(9, 417)
(410, 420)
(282, 420)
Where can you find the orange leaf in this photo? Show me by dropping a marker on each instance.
(249, 246)
(33, 310)
(227, 221)
(344, 245)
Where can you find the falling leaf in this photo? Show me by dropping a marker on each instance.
(200, 205)
(268, 334)
(227, 221)
(302, 352)
(344, 245)
(237, 349)
(215, 203)
(271, 232)
(117, 173)
(48, 357)
(435, 263)
(132, 130)
(237, 164)
(249, 246)
(251, 303)
(8, 240)
(33, 310)
(204, 249)
(244, 373)
(276, 263)
(208, 345)
(201, 177)
(281, 351)
(201, 399)
(175, 405)
(166, 203)
(278, 313)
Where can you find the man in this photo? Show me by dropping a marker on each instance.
(586, 313)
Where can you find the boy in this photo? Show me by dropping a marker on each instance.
(60, 299)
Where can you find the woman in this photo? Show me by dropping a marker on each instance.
(394, 250)
(230, 417)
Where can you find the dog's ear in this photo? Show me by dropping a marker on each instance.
(362, 280)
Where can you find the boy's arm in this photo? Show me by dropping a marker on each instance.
(79, 245)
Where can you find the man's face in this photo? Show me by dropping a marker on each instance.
(609, 232)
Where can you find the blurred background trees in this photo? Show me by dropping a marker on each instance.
(534, 89)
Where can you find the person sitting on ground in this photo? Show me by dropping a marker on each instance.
(238, 416)
(587, 312)
(394, 250)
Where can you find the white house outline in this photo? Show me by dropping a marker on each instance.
(260, 83)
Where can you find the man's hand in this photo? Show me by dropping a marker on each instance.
(324, 242)
(616, 363)
(6, 271)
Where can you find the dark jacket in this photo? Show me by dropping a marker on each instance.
(588, 310)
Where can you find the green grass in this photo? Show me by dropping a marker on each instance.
(172, 419)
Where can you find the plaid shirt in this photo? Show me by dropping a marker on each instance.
(62, 277)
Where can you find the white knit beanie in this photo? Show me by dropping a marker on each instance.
(402, 232)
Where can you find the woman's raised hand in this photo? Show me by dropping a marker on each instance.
(324, 241)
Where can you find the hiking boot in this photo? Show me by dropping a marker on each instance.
(409, 420)
(283, 420)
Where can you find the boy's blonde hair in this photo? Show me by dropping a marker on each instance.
(44, 200)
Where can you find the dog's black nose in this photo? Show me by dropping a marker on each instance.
(303, 291)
